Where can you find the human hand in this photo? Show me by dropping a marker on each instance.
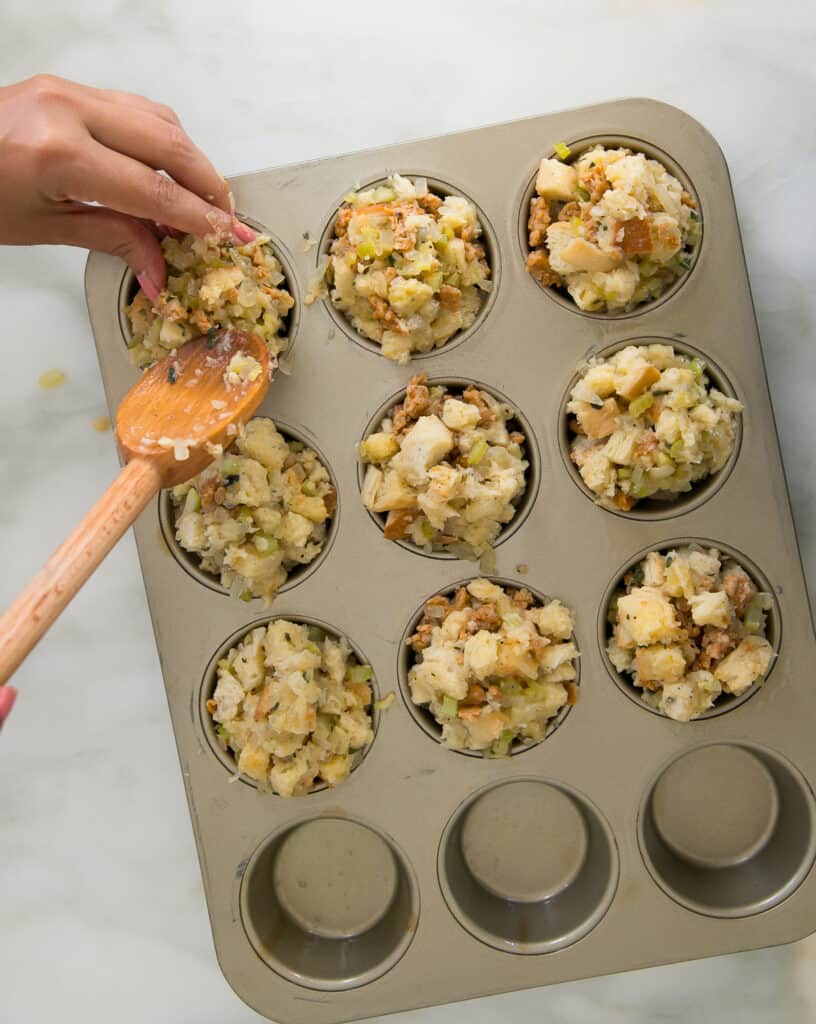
(64, 146)
(8, 695)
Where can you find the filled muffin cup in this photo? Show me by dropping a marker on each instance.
(212, 284)
(449, 469)
(489, 668)
(690, 630)
(259, 519)
(289, 706)
(408, 265)
(609, 226)
(650, 428)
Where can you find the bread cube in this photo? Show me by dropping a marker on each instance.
(393, 493)
(579, 254)
(459, 415)
(648, 616)
(553, 620)
(425, 444)
(481, 654)
(639, 377)
(262, 442)
(744, 665)
(620, 448)
(253, 762)
(659, 664)
(556, 180)
(379, 447)
(599, 422)
(597, 473)
(556, 655)
(311, 507)
(484, 590)
(711, 609)
(336, 769)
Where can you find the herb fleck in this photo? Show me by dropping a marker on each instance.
(171, 375)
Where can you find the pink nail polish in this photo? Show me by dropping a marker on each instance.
(149, 287)
(242, 233)
(8, 695)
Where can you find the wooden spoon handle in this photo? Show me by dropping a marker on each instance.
(34, 611)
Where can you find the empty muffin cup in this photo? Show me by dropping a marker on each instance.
(329, 903)
(528, 866)
(727, 829)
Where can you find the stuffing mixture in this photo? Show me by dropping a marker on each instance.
(494, 666)
(447, 467)
(211, 284)
(260, 510)
(406, 266)
(613, 228)
(647, 423)
(294, 706)
(688, 626)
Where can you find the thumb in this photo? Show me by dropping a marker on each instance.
(103, 230)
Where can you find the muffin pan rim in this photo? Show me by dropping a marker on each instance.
(229, 820)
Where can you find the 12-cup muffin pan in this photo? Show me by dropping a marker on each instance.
(622, 840)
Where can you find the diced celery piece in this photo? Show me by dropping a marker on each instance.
(427, 530)
(697, 367)
(245, 595)
(624, 472)
(223, 736)
(229, 467)
(501, 746)
(312, 647)
(477, 453)
(450, 707)
(677, 449)
(754, 618)
(359, 673)
(192, 503)
(366, 251)
(562, 150)
(639, 405)
(316, 634)
(511, 688)
(582, 194)
(308, 488)
(265, 544)
(245, 516)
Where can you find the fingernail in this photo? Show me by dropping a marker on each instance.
(242, 233)
(8, 695)
(148, 285)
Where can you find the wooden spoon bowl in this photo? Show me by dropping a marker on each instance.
(168, 427)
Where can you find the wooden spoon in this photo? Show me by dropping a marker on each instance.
(166, 428)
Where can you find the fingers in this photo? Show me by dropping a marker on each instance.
(160, 144)
(93, 227)
(96, 174)
(8, 695)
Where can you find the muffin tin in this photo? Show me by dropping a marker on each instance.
(622, 840)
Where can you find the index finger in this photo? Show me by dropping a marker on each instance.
(160, 144)
(101, 175)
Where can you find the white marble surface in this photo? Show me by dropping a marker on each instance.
(102, 914)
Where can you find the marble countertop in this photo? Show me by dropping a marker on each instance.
(103, 914)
